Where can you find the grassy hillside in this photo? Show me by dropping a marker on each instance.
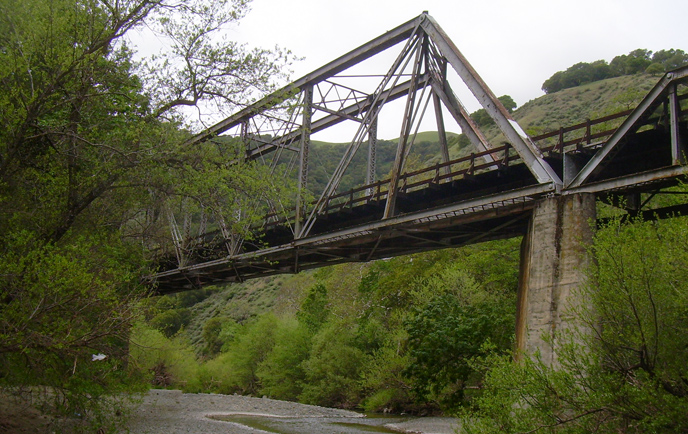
(575, 105)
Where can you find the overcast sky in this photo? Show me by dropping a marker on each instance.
(514, 45)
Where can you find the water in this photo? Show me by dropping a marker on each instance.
(320, 425)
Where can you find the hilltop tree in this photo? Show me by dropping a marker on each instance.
(484, 120)
(89, 155)
(632, 63)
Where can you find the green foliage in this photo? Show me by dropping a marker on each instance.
(484, 120)
(162, 361)
(670, 59)
(60, 306)
(282, 374)
(211, 335)
(578, 74)
(169, 322)
(90, 163)
(635, 62)
(314, 309)
(623, 368)
(333, 368)
(632, 63)
(508, 103)
(351, 335)
(655, 69)
(458, 320)
(251, 346)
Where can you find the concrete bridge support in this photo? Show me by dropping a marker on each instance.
(553, 263)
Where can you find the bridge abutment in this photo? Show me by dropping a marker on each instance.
(553, 263)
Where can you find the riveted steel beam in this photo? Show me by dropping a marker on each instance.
(461, 116)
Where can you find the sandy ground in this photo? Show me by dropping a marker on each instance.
(174, 412)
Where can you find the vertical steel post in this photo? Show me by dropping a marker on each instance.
(441, 132)
(372, 155)
(677, 150)
(305, 144)
(520, 141)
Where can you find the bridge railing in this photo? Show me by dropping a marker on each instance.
(584, 134)
(376, 193)
(581, 134)
(591, 131)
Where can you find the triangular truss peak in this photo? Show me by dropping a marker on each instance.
(285, 120)
(659, 113)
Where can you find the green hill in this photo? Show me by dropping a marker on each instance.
(575, 105)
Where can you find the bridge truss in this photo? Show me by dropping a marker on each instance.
(461, 199)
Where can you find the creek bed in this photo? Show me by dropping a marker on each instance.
(320, 425)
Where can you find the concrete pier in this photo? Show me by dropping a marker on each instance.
(553, 263)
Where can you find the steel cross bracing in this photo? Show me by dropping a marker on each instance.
(484, 195)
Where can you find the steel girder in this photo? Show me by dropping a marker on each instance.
(530, 154)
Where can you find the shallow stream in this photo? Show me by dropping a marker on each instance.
(319, 425)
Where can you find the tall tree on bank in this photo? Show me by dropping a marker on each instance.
(89, 162)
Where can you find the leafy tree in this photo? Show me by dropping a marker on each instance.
(578, 74)
(64, 318)
(169, 322)
(632, 63)
(481, 118)
(89, 163)
(635, 62)
(314, 309)
(459, 319)
(670, 59)
(334, 367)
(508, 102)
(655, 69)
(484, 120)
(211, 335)
(282, 373)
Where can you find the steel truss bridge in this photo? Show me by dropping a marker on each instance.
(485, 195)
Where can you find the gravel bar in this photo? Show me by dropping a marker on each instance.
(174, 412)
